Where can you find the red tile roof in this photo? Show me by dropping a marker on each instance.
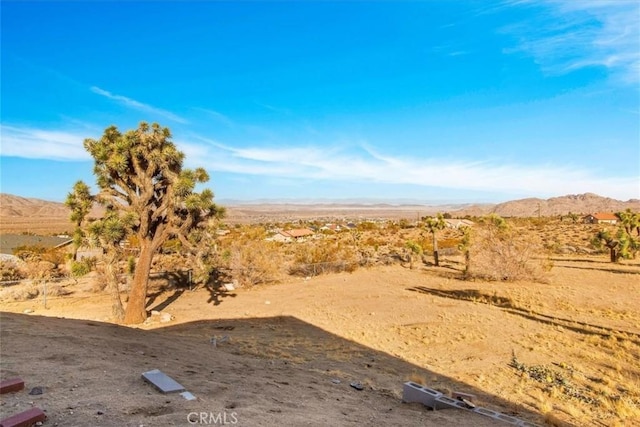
(298, 232)
(604, 216)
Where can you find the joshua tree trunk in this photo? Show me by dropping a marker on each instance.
(112, 281)
(136, 311)
(467, 263)
(435, 250)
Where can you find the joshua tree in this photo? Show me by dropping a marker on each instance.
(604, 237)
(630, 221)
(465, 247)
(414, 250)
(140, 177)
(433, 225)
(107, 233)
(79, 201)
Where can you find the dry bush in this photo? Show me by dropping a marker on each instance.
(253, 262)
(56, 290)
(10, 271)
(501, 254)
(22, 292)
(40, 270)
(326, 256)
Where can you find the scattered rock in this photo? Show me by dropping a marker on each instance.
(35, 391)
(357, 386)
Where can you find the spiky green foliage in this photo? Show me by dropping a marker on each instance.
(630, 221)
(433, 225)
(142, 183)
(80, 202)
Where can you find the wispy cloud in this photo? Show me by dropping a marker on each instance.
(219, 117)
(370, 166)
(132, 103)
(566, 35)
(33, 143)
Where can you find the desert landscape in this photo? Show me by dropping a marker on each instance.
(561, 350)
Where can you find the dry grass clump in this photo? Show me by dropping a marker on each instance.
(22, 292)
(10, 271)
(497, 252)
(320, 257)
(57, 290)
(253, 261)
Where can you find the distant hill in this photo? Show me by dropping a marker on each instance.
(575, 203)
(21, 207)
(20, 214)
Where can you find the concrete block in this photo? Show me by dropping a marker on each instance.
(508, 419)
(11, 385)
(24, 419)
(524, 423)
(412, 392)
(187, 395)
(458, 395)
(487, 412)
(162, 382)
(444, 402)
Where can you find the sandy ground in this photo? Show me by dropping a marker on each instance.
(295, 347)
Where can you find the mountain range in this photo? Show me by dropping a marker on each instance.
(14, 207)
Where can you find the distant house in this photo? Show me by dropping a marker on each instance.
(298, 234)
(88, 252)
(331, 227)
(9, 242)
(458, 223)
(601, 218)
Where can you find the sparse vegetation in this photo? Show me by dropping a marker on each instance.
(9, 271)
(499, 252)
(575, 359)
(82, 267)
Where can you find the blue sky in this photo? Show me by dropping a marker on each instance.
(465, 101)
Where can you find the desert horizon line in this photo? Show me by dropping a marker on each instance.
(364, 201)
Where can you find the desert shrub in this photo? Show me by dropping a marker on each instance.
(374, 242)
(367, 226)
(82, 267)
(40, 270)
(23, 292)
(29, 252)
(326, 256)
(56, 290)
(9, 270)
(253, 262)
(497, 252)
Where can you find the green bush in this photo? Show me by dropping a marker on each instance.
(82, 267)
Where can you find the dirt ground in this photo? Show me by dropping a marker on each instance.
(562, 353)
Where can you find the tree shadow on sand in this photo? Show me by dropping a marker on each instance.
(181, 281)
(271, 371)
(592, 264)
(475, 296)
